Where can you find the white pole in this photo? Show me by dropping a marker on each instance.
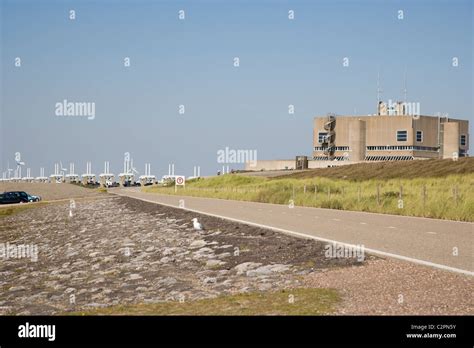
(199, 171)
(172, 169)
(228, 170)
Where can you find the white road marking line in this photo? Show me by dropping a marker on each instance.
(303, 235)
(363, 223)
(391, 227)
(337, 219)
(431, 232)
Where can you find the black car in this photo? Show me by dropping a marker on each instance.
(17, 197)
(13, 197)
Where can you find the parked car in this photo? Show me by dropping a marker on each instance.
(17, 197)
(13, 197)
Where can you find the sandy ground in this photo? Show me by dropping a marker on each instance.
(117, 250)
(392, 287)
(49, 191)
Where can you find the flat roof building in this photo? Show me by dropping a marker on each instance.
(397, 132)
(389, 136)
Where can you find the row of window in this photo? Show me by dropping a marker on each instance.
(401, 147)
(336, 148)
(388, 158)
(325, 158)
(402, 136)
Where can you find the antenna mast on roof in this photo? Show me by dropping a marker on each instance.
(379, 91)
(405, 86)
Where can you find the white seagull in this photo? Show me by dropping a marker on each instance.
(196, 224)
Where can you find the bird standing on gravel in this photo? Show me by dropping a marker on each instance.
(196, 224)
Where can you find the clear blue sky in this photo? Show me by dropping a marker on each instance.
(190, 62)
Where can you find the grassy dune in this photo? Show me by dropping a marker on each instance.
(449, 197)
(303, 302)
(393, 170)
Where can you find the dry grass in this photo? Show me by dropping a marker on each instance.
(306, 301)
(7, 210)
(391, 170)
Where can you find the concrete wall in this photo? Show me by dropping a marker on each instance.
(450, 139)
(357, 140)
(271, 165)
(290, 164)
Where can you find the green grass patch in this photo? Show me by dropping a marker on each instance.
(305, 302)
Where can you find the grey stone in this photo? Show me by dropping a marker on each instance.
(244, 267)
(268, 269)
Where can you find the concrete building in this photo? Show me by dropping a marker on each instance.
(395, 133)
(388, 138)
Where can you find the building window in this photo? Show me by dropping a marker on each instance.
(462, 141)
(336, 148)
(402, 135)
(322, 136)
(419, 136)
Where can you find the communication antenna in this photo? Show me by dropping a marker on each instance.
(379, 91)
(405, 87)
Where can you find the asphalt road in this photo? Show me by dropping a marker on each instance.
(438, 243)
